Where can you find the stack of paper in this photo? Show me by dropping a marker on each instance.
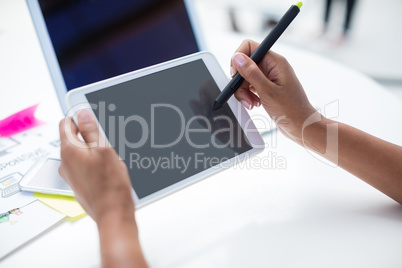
(23, 141)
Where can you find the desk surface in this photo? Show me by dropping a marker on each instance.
(304, 214)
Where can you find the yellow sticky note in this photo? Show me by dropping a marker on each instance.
(64, 204)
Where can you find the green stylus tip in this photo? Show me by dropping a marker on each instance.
(299, 4)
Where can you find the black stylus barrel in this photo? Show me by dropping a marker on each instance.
(258, 54)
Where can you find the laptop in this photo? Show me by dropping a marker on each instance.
(86, 41)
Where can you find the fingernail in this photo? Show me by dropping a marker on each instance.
(246, 104)
(231, 71)
(85, 116)
(239, 59)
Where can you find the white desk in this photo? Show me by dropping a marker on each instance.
(307, 215)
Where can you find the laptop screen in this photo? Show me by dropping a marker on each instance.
(98, 39)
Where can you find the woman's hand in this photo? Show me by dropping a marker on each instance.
(273, 84)
(93, 170)
(102, 186)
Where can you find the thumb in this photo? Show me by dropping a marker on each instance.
(250, 71)
(89, 128)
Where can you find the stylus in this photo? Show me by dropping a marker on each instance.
(259, 53)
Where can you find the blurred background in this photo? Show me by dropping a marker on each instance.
(371, 42)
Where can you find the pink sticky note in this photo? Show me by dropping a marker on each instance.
(19, 122)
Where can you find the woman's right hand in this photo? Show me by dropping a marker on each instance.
(274, 84)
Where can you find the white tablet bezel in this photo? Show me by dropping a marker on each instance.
(76, 100)
(50, 55)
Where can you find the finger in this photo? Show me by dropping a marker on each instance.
(89, 130)
(246, 47)
(252, 89)
(249, 70)
(257, 101)
(245, 97)
(69, 134)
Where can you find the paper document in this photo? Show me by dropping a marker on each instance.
(21, 225)
(17, 155)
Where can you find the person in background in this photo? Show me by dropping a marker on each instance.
(350, 6)
(102, 185)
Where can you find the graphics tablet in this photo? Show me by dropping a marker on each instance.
(160, 121)
(88, 41)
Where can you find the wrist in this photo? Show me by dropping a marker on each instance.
(314, 133)
(117, 218)
(119, 239)
(116, 203)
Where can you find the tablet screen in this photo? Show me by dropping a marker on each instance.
(98, 39)
(163, 127)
